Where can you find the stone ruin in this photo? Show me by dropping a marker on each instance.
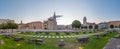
(31, 40)
(8, 35)
(36, 41)
(96, 36)
(67, 33)
(61, 43)
(18, 38)
(117, 36)
(83, 39)
(39, 41)
(1, 42)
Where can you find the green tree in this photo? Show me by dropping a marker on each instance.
(111, 26)
(3, 26)
(12, 26)
(76, 24)
(8, 25)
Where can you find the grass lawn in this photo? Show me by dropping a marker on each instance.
(48, 44)
(51, 43)
(98, 43)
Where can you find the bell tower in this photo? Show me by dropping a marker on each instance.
(84, 20)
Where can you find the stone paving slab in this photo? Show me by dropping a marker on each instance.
(113, 43)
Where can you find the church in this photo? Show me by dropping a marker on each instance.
(51, 23)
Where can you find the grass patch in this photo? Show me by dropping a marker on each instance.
(51, 43)
(98, 43)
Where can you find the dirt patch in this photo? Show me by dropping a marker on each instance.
(72, 45)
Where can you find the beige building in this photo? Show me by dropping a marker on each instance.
(106, 25)
(22, 26)
(31, 25)
(115, 23)
(35, 25)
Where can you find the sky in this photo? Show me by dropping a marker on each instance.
(40, 10)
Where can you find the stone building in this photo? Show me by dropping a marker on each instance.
(89, 25)
(116, 24)
(35, 25)
(84, 21)
(51, 23)
(103, 25)
(106, 25)
(31, 25)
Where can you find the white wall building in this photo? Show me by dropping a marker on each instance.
(61, 27)
(103, 25)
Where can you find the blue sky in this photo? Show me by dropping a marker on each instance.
(39, 10)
